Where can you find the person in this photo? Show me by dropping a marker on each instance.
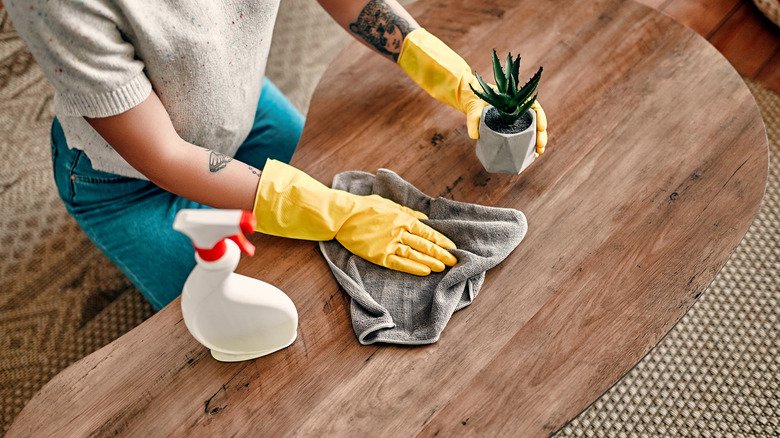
(164, 105)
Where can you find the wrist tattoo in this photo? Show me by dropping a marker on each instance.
(381, 27)
(218, 161)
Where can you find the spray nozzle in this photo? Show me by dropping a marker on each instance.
(208, 229)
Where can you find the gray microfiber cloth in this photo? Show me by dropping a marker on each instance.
(398, 308)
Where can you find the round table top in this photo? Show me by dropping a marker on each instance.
(656, 165)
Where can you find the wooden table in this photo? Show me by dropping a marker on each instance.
(656, 166)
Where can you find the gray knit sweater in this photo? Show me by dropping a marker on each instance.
(205, 59)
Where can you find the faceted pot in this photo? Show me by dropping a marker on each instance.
(506, 153)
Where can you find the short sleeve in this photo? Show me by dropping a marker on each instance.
(81, 49)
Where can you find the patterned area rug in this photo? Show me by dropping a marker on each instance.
(715, 374)
(60, 298)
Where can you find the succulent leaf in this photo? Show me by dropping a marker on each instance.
(526, 106)
(480, 94)
(501, 81)
(512, 88)
(510, 79)
(528, 88)
(516, 69)
(492, 96)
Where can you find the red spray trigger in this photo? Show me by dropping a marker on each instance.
(215, 253)
(247, 224)
(212, 254)
(244, 244)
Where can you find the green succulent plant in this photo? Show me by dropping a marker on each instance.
(510, 100)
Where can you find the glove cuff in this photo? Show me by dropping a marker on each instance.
(290, 203)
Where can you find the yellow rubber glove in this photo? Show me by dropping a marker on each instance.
(541, 128)
(290, 203)
(445, 75)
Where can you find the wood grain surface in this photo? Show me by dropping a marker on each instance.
(656, 165)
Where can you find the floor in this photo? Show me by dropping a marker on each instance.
(737, 28)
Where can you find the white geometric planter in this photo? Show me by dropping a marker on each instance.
(506, 153)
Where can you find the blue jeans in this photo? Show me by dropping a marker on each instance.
(130, 220)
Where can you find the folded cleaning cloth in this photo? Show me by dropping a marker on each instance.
(398, 308)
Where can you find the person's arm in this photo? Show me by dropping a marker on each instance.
(286, 201)
(380, 24)
(145, 137)
(387, 27)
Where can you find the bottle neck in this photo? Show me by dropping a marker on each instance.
(212, 254)
(227, 262)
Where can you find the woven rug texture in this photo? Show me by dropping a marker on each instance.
(715, 374)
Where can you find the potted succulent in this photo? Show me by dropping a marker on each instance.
(507, 129)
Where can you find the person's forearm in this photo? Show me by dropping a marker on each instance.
(380, 24)
(146, 139)
(208, 177)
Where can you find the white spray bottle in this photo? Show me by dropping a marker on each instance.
(237, 317)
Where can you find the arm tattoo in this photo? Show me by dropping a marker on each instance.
(253, 170)
(218, 161)
(381, 27)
